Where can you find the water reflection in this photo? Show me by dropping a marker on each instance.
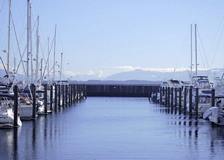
(117, 128)
(9, 143)
(196, 132)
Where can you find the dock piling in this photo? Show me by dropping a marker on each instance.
(33, 92)
(213, 97)
(45, 98)
(15, 90)
(190, 100)
(196, 101)
(180, 100)
(51, 97)
(171, 90)
(185, 100)
(55, 97)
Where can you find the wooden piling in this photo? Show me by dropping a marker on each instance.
(63, 95)
(73, 90)
(171, 103)
(196, 101)
(175, 97)
(190, 100)
(33, 92)
(213, 97)
(163, 95)
(185, 100)
(59, 96)
(15, 90)
(160, 95)
(51, 97)
(45, 98)
(180, 100)
(55, 97)
(168, 98)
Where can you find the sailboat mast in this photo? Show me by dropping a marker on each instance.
(196, 50)
(28, 39)
(9, 35)
(191, 45)
(31, 45)
(14, 68)
(48, 65)
(55, 36)
(61, 66)
(41, 70)
(37, 50)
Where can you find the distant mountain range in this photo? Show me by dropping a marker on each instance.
(142, 75)
(139, 76)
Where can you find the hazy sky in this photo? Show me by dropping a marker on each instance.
(107, 36)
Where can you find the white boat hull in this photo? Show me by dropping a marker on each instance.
(26, 111)
(213, 115)
(7, 119)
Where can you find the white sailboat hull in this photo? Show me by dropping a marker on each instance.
(26, 111)
(213, 115)
(7, 119)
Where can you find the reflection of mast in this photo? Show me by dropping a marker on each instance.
(9, 35)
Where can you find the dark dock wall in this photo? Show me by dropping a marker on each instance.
(120, 90)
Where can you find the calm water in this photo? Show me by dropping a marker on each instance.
(114, 128)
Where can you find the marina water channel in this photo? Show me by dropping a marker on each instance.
(114, 128)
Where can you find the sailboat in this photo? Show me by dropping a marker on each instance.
(6, 105)
(26, 99)
(40, 87)
(215, 114)
(199, 81)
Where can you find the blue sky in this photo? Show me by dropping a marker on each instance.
(108, 36)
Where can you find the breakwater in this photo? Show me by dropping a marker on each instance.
(120, 90)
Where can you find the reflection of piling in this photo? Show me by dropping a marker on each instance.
(15, 90)
(33, 92)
